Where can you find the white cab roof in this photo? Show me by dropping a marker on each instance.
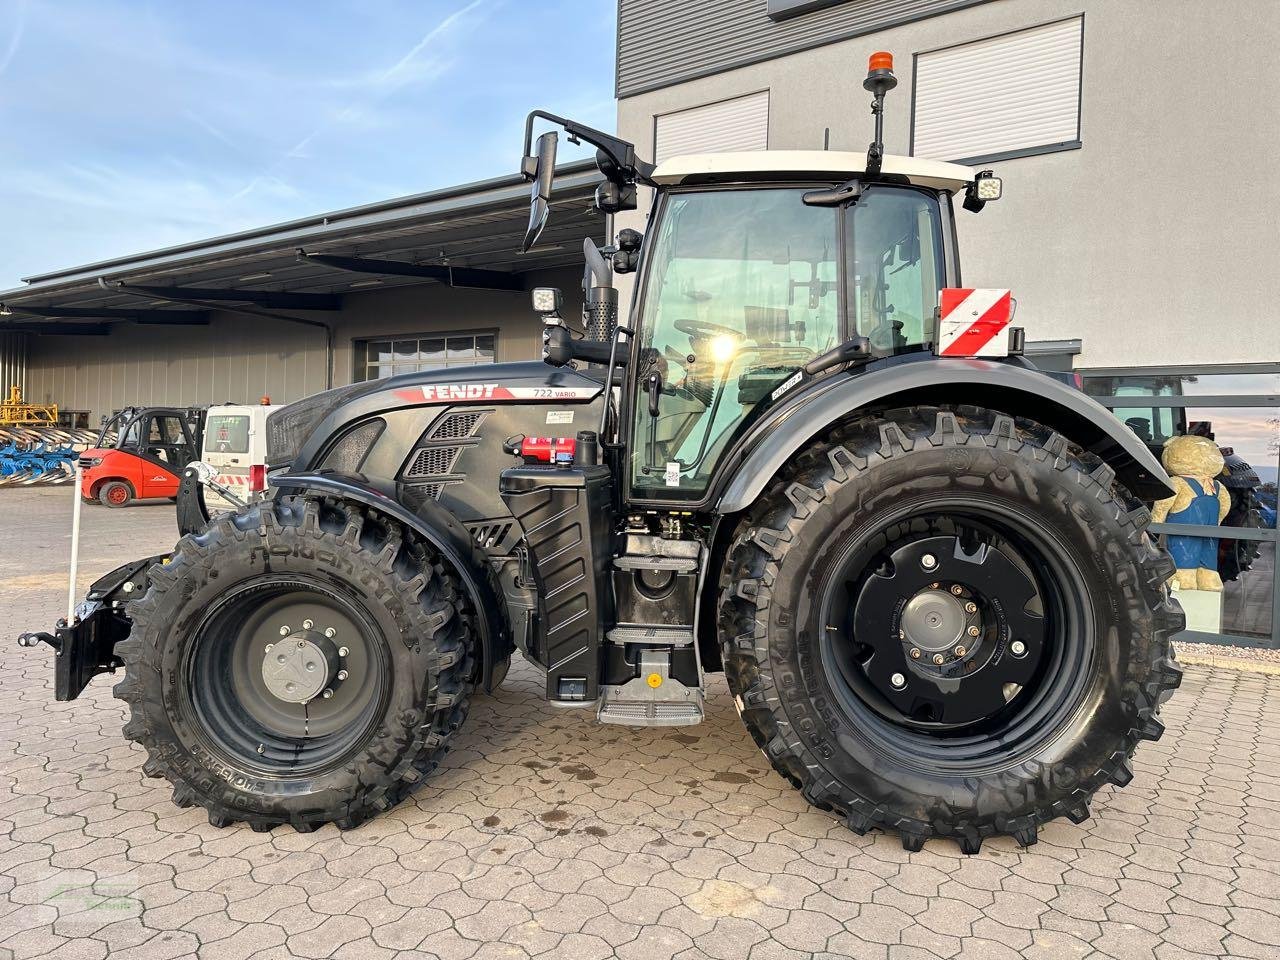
(821, 164)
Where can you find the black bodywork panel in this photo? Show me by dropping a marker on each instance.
(567, 519)
(1018, 390)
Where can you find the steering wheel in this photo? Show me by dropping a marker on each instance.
(705, 329)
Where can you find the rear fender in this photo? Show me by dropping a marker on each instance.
(1020, 391)
(446, 535)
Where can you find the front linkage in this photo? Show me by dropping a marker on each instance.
(86, 645)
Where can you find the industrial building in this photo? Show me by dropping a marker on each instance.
(288, 310)
(1132, 230)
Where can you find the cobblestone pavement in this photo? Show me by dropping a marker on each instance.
(545, 835)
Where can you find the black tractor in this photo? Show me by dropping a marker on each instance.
(809, 459)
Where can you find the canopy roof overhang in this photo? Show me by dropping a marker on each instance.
(465, 236)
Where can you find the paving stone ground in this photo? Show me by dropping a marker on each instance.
(546, 835)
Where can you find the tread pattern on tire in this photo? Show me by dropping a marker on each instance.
(398, 759)
(762, 539)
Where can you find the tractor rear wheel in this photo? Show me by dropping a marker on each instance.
(115, 493)
(303, 661)
(949, 622)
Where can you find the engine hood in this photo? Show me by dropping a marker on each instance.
(492, 383)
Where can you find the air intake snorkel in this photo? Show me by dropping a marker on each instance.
(600, 296)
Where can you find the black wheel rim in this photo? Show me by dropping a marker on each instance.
(956, 635)
(240, 708)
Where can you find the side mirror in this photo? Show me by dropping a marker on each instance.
(541, 169)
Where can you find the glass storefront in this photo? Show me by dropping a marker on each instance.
(1238, 409)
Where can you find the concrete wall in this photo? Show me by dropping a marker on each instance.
(241, 359)
(1156, 242)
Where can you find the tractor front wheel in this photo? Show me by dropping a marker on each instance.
(949, 622)
(301, 662)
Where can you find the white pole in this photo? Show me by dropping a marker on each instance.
(75, 545)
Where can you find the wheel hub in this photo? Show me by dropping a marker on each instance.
(300, 667)
(934, 621)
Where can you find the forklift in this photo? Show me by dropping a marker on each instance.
(140, 454)
(810, 459)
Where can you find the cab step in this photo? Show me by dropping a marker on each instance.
(676, 636)
(653, 699)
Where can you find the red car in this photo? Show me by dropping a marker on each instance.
(152, 446)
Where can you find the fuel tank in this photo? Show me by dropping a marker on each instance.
(438, 435)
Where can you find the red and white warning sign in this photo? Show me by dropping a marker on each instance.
(974, 322)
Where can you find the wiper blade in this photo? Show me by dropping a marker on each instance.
(847, 192)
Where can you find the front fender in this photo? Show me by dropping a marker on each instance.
(1021, 391)
(445, 534)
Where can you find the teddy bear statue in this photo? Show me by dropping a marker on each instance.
(1194, 463)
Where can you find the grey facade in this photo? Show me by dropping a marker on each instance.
(1151, 243)
(13, 361)
(241, 359)
(661, 42)
(1138, 238)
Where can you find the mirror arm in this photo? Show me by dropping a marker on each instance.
(622, 153)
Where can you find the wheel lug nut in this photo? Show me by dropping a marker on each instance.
(959, 651)
(973, 631)
(268, 647)
(957, 589)
(929, 561)
(915, 653)
(301, 644)
(329, 632)
(1017, 648)
(327, 694)
(284, 631)
(934, 586)
(343, 651)
(898, 681)
(306, 624)
(939, 659)
(342, 674)
(970, 607)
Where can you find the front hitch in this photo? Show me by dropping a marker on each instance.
(85, 646)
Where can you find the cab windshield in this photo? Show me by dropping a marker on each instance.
(746, 286)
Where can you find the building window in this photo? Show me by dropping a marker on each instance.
(387, 357)
(1014, 95)
(1239, 410)
(738, 124)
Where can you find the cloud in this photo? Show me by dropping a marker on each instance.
(15, 38)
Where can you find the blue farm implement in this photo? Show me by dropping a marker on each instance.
(39, 455)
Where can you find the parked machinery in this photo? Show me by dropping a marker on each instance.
(922, 565)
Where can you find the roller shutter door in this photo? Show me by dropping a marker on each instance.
(738, 124)
(1004, 95)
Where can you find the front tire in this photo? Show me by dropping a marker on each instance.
(948, 622)
(303, 661)
(115, 493)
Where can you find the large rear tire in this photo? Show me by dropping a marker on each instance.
(303, 661)
(949, 623)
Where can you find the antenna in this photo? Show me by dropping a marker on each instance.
(826, 138)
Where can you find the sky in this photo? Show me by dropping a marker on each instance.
(127, 126)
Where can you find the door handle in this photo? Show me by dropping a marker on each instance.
(653, 387)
